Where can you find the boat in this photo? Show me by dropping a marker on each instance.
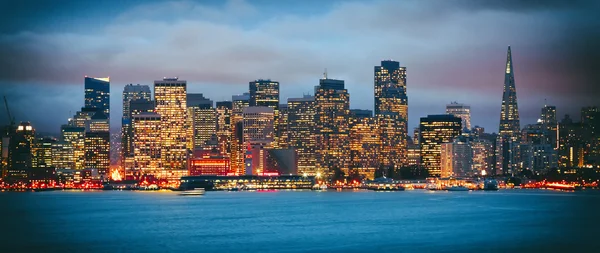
(317, 187)
(490, 185)
(195, 191)
(457, 188)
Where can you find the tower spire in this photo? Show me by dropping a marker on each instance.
(509, 129)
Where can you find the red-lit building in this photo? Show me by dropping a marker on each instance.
(212, 165)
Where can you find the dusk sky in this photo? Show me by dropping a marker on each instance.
(453, 51)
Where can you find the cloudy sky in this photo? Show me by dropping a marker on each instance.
(454, 50)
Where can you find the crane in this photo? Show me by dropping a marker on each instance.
(10, 118)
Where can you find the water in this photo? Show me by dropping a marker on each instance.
(305, 221)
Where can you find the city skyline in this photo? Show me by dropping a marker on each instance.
(457, 70)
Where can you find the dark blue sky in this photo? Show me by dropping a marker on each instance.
(453, 50)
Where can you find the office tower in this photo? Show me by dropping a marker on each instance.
(365, 142)
(483, 152)
(301, 132)
(413, 156)
(202, 120)
(390, 88)
(20, 155)
(62, 155)
(224, 129)
(131, 93)
(97, 94)
(332, 103)
(571, 149)
(97, 145)
(509, 131)
(146, 146)
(171, 105)
(456, 159)
(42, 152)
(393, 139)
(435, 130)
(391, 111)
(258, 125)
(266, 93)
(462, 111)
(550, 125)
(238, 150)
(75, 137)
(82, 118)
(282, 127)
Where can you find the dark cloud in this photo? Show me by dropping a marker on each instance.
(454, 50)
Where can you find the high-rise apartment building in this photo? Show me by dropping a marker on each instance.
(456, 159)
(264, 92)
(435, 130)
(171, 105)
(332, 103)
(301, 132)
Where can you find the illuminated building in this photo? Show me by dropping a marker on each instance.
(462, 111)
(590, 121)
(413, 155)
(483, 152)
(97, 145)
(332, 103)
(266, 93)
(365, 143)
(390, 88)
(416, 136)
(572, 145)
(202, 120)
(170, 99)
(393, 137)
(301, 132)
(509, 131)
(435, 130)
(146, 146)
(238, 150)
(97, 94)
(131, 93)
(258, 134)
(538, 158)
(550, 125)
(224, 128)
(62, 155)
(282, 128)
(20, 156)
(456, 159)
(75, 137)
(82, 118)
(218, 166)
(42, 152)
(391, 111)
(252, 182)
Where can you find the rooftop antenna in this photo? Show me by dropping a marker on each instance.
(325, 74)
(545, 102)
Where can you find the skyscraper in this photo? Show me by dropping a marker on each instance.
(75, 137)
(146, 146)
(97, 94)
(259, 136)
(332, 103)
(457, 159)
(264, 92)
(170, 99)
(391, 112)
(97, 145)
(550, 125)
(462, 111)
(509, 131)
(239, 103)
(202, 120)
(301, 134)
(224, 128)
(365, 142)
(435, 130)
(20, 155)
(131, 93)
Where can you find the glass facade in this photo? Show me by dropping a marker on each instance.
(170, 98)
(435, 130)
